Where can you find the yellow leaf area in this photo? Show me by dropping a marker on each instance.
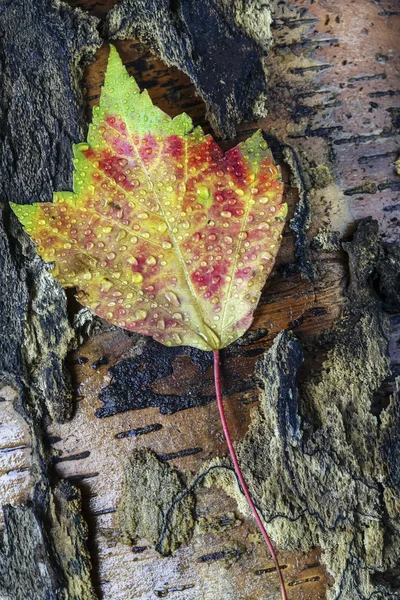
(164, 234)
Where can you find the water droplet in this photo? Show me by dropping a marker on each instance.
(172, 298)
(215, 280)
(264, 200)
(202, 191)
(177, 316)
(249, 178)
(226, 214)
(111, 256)
(264, 226)
(143, 215)
(137, 277)
(151, 260)
(215, 300)
(87, 276)
(161, 324)
(265, 256)
(166, 245)
(132, 260)
(140, 315)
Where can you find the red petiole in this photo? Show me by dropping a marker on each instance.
(217, 379)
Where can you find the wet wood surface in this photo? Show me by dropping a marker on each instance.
(335, 98)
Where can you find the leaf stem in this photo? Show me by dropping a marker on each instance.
(217, 379)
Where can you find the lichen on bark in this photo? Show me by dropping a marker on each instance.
(154, 504)
(313, 452)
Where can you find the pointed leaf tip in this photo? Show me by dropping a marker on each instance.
(163, 234)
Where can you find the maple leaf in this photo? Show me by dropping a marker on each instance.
(164, 234)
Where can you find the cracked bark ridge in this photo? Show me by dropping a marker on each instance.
(30, 564)
(301, 218)
(320, 463)
(36, 334)
(217, 43)
(40, 116)
(43, 46)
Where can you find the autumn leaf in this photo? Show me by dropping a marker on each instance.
(163, 234)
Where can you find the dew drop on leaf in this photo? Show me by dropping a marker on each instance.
(137, 277)
(140, 315)
(264, 225)
(161, 324)
(172, 298)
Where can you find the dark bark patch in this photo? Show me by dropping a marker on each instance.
(219, 45)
